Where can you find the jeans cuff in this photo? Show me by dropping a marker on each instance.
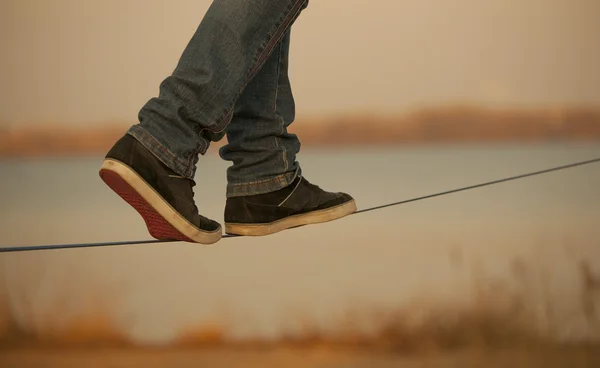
(185, 169)
(263, 186)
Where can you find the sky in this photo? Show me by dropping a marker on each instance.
(93, 61)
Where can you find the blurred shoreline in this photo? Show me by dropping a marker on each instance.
(428, 125)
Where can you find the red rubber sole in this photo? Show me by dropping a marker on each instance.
(157, 226)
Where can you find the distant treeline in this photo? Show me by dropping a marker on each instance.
(432, 125)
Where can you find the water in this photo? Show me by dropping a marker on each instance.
(526, 238)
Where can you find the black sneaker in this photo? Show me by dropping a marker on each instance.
(164, 199)
(298, 204)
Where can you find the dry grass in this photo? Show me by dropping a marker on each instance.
(512, 311)
(92, 327)
(495, 318)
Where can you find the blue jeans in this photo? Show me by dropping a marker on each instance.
(232, 79)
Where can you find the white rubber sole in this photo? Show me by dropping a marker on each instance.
(316, 217)
(160, 217)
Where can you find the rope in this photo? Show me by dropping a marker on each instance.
(121, 243)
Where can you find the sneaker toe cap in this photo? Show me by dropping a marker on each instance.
(338, 199)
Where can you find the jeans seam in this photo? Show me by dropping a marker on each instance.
(186, 164)
(261, 57)
(161, 152)
(165, 150)
(281, 119)
(278, 76)
(190, 164)
(294, 12)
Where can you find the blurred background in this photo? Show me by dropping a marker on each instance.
(454, 94)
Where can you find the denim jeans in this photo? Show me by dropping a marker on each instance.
(231, 80)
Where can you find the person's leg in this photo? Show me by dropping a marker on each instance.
(152, 167)
(262, 151)
(196, 102)
(266, 192)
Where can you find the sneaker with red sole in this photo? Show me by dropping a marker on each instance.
(164, 199)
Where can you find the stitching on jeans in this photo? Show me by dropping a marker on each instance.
(249, 188)
(294, 12)
(159, 145)
(278, 178)
(285, 160)
(256, 59)
(277, 84)
(163, 149)
(279, 56)
(190, 165)
(186, 168)
(282, 120)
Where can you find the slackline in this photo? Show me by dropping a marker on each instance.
(226, 236)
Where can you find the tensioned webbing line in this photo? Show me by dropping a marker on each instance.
(470, 187)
